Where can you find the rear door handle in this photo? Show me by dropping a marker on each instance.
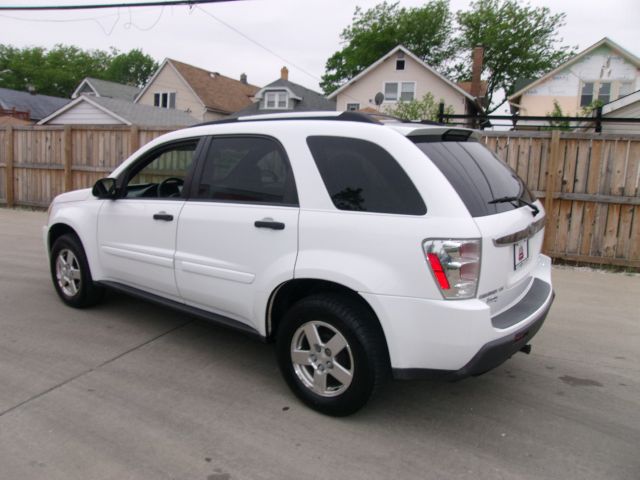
(268, 223)
(167, 217)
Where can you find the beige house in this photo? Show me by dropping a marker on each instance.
(605, 72)
(202, 94)
(401, 76)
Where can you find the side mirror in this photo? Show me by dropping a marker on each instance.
(105, 188)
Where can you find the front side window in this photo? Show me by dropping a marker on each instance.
(162, 174)
(586, 98)
(361, 176)
(247, 170)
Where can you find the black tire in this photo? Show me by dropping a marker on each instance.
(365, 352)
(79, 292)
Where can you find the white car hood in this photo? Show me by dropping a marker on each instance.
(73, 196)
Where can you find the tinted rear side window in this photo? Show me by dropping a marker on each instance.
(362, 176)
(476, 174)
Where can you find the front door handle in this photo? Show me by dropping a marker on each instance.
(268, 223)
(167, 217)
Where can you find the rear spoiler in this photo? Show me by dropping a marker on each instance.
(442, 134)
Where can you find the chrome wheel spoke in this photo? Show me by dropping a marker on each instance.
(336, 344)
(75, 274)
(301, 357)
(341, 374)
(319, 383)
(311, 331)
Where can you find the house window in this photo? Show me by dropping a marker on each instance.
(352, 107)
(400, 64)
(586, 98)
(164, 100)
(407, 92)
(276, 100)
(391, 92)
(403, 91)
(604, 92)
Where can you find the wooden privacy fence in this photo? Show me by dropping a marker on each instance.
(589, 182)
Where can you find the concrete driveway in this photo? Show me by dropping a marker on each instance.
(129, 390)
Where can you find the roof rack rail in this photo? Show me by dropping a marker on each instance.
(344, 116)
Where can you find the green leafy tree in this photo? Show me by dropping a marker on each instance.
(425, 108)
(520, 41)
(132, 68)
(58, 71)
(426, 31)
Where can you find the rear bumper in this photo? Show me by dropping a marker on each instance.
(428, 338)
(490, 355)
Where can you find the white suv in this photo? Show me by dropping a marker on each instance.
(362, 247)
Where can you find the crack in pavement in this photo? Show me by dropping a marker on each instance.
(93, 369)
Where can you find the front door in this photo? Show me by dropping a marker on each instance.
(137, 232)
(238, 233)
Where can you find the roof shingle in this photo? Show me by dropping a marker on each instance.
(217, 92)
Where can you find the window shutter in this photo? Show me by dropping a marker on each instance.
(156, 99)
(172, 100)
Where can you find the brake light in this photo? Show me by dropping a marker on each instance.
(455, 264)
(438, 271)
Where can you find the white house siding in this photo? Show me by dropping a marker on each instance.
(84, 114)
(168, 81)
(603, 64)
(364, 90)
(630, 111)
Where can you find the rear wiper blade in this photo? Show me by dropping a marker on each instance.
(520, 201)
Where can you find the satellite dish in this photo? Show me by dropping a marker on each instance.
(379, 98)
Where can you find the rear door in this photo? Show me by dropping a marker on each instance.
(137, 232)
(238, 233)
(512, 232)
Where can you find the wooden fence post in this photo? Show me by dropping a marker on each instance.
(8, 171)
(552, 169)
(134, 139)
(68, 159)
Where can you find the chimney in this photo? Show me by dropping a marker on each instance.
(477, 59)
(243, 78)
(284, 73)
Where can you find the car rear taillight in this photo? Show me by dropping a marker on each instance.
(455, 264)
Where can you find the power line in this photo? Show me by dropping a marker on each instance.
(255, 42)
(167, 3)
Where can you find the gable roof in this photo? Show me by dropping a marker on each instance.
(415, 58)
(306, 100)
(216, 92)
(605, 41)
(106, 88)
(39, 106)
(621, 102)
(129, 113)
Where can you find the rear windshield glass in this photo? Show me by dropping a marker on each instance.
(476, 174)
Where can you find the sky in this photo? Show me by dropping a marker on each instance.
(258, 37)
